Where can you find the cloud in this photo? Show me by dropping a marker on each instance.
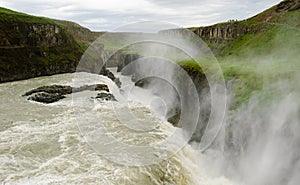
(110, 14)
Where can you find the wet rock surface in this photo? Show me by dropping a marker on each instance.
(106, 96)
(53, 89)
(96, 87)
(54, 93)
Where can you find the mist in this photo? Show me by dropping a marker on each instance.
(174, 92)
(259, 143)
(259, 140)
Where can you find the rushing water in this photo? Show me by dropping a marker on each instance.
(42, 144)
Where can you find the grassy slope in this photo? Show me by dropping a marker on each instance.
(13, 16)
(259, 58)
(83, 36)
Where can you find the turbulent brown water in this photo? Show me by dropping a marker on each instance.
(42, 144)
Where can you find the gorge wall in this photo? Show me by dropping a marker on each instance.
(35, 46)
(221, 32)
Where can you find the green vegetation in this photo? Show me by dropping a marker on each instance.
(83, 36)
(262, 56)
(275, 37)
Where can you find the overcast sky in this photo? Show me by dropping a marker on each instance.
(106, 15)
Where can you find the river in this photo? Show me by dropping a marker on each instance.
(42, 143)
(55, 143)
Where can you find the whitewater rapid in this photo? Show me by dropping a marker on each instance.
(42, 144)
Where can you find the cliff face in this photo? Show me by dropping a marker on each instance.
(30, 50)
(33, 35)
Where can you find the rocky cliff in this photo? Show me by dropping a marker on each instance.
(221, 32)
(35, 46)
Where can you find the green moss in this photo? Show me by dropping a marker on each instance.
(247, 80)
(250, 75)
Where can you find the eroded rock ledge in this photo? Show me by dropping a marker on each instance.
(54, 93)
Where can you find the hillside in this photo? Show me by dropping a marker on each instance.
(258, 50)
(33, 46)
(234, 37)
(81, 34)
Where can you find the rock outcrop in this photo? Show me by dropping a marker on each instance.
(288, 5)
(46, 97)
(222, 32)
(54, 93)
